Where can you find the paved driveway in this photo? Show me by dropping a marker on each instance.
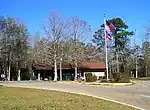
(137, 95)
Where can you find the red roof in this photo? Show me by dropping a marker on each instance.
(65, 66)
(93, 65)
(87, 65)
(42, 66)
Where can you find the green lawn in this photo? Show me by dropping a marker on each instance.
(35, 99)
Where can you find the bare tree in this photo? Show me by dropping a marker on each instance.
(146, 51)
(78, 30)
(54, 31)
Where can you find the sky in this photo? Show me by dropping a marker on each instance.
(33, 13)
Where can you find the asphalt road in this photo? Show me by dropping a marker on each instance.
(137, 95)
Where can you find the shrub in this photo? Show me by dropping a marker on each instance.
(120, 78)
(94, 78)
(90, 77)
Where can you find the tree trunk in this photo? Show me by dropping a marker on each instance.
(19, 75)
(5, 74)
(146, 71)
(136, 73)
(8, 77)
(136, 67)
(32, 76)
(76, 71)
(31, 72)
(39, 77)
(60, 72)
(55, 70)
(117, 62)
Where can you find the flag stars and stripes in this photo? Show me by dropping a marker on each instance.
(110, 29)
(111, 26)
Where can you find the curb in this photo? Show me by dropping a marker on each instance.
(110, 100)
(112, 84)
(60, 90)
(102, 84)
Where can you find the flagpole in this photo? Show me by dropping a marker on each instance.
(106, 60)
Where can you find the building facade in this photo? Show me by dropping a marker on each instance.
(46, 72)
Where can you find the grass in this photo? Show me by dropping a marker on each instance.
(35, 99)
